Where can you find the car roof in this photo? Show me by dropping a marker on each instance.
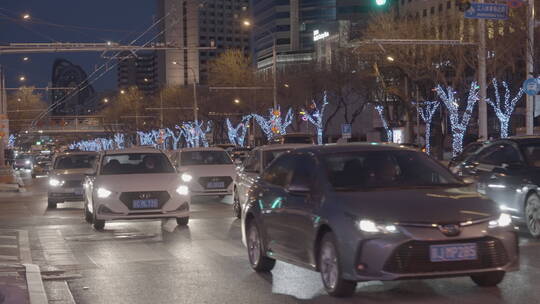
(358, 146)
(526, 139)
(281, 147)
(76, 153)
(133, 150)
(202, 149)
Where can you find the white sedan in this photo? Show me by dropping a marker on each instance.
(138, 183)
(208, 171)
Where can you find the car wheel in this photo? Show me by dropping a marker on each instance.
(97, 224)
(258, 260)
(182, 221)
(87, 215)
(488, 279)
(237, 211)
(532, 215)
(330, 268)
(51, 204)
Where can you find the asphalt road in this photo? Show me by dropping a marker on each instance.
(159, 262)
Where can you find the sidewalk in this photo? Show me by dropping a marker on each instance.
(10, 181)
(20, 280)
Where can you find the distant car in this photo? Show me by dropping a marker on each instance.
(239, 154)
(67, 175)
(136, 183)
(23, 161)
(207, 171)
(42, 167)
(256, 161)
(297, 138)
(468, 150)
(508, 171)
(364, 212)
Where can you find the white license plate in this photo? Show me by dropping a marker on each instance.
(145, 204)
(453, 252)
(214, 185)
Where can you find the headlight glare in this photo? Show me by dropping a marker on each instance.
(182, 190)
(103, 193)
(186, 177)
(504, 220)
(370, 226)
(27, 162)
(54, 182)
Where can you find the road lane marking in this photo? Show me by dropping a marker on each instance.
(8, 237)
(8, 246)
(9, 257)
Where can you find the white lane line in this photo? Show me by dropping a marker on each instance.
(9, 257)
(8, 237)
(8, 246)
(24, 247)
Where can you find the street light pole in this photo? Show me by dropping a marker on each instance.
(529, 113)
(274, 70)
(482, 107)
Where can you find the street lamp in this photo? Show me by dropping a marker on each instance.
(22, 78)
(25, 59)
(195, 101)
(390, 58)
(105, 100)
(26, 16)
(237, 101)
(248, 23)
(122, 92)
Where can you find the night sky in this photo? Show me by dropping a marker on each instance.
(122, 19)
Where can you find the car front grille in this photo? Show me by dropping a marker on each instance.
(413, 257)
(203, 181)
(72, 184)
(128, 197)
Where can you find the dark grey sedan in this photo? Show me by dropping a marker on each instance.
(365, 212)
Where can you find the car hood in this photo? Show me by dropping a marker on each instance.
(139, 182)
(209, 170)
(422, 206)
(72, 173)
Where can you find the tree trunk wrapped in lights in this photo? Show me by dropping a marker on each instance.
(316, 117)
(274, 125)
(427, 111)
(238, 134)
(458, 124)
(504, 111)
(380, 110)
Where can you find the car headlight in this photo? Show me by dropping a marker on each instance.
(55, 183)
(186, 177)
(103, 193)
(504, 220)
(370, 226)
(27, 162)
(182, 190)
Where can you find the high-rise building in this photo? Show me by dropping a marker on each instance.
(81, 100)
(192, 24)
(294, 24)
(139, 71)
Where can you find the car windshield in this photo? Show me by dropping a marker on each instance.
(385, 169)
(269, 156)
(532, 154)
(135, 163)
(75, 162)
(196, 158)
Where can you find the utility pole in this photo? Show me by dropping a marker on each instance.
(529, 116)
(161, 110)
(482, 106)
(274, 70)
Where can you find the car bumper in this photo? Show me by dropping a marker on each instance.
(406, 255)
(115, 209)
(66, 195)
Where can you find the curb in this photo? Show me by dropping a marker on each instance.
(9, 187)
(36, 290)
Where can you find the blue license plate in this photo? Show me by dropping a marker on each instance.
(215, 185)
(145, 204)
(454, 252)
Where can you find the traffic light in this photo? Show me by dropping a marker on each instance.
(464, 5)
(380, 2)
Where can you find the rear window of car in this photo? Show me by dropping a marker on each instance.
(135, 163)
(74, 162)
(197, 158)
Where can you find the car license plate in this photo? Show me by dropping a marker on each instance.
(145, 204)
(454, 252)
(214, 185)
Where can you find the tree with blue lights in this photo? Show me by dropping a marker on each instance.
(504, 110)
(427, 110)
(316, 117)
(274, 125)
(238, 134)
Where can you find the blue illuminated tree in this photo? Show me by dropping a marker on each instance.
(427, 110)
(380, 110)
(238, 134)
(504, 110)
(316, 117)
(274, 125)
(458, 124)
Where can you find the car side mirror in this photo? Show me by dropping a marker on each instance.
(298, 189)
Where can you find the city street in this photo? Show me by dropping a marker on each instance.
(158, 262)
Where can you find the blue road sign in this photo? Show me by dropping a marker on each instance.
(495, 11)
(531, 86)
(346, 131)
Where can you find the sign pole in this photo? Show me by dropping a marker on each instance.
(482, 106)
(529, 116)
